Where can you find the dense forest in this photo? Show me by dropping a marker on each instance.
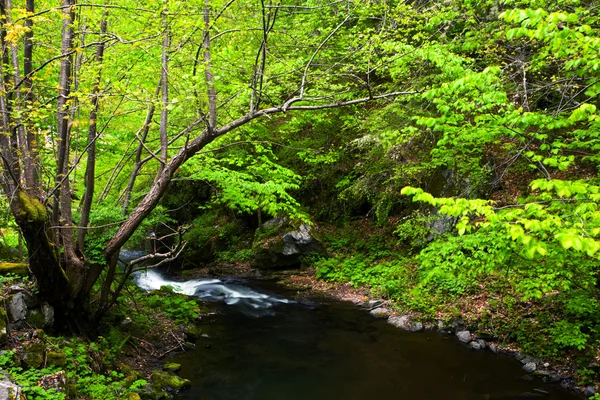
(442, 155)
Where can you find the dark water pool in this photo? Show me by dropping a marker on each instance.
(328, 350)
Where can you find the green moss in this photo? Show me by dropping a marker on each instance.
(32, 208)
(13, 268)
(171, 367)
(57, 358)
(33, 355)
(163, 380)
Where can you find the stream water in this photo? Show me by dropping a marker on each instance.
(265, 344)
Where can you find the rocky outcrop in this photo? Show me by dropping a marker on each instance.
(281, 243)
(24, 311)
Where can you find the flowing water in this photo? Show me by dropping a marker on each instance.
(264, 344)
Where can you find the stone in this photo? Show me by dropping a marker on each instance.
(168, 381)
(589, 391)
(493, 348)
(3, 327)
(380, 312)
(528, 360)
(192, 332)
(530, 367)
(57, 358)
(482, 343)
(18, 305)
(404, 322)
(57, 381)
(280, 243)
(475, 345)
(373, 304)
(48, 312)
(9, 390)
(464, 336)
(171, 367)
(32, 355)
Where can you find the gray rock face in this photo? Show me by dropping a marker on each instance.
(18, 306)
(404, 322)
(530, 367)
(9, 390)
(464, 336)
(284, 245)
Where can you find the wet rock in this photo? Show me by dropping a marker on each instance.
(373, 304)
(475, 345)
(171, 367)
(528, 360)
(9, 390)
(57, 358)
(589, 391)
(404, 322)
(482, 343)
(192, 333)
(281, 243)
(530, 367)
(464, 336)
(168, 381)
(493, 348)
(380, 312)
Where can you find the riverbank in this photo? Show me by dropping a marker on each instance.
(123, 359)
(465, 318)
(467, 326)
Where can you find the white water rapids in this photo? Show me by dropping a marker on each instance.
(211, 290)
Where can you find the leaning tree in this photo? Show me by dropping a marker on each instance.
(123, 93)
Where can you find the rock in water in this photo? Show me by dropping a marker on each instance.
(464, 336)
(530, 367)
(404, 322)
(380, 312)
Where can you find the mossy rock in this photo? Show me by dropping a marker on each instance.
(32, 355)
(3, 325)
(171, 367)
(35, 318)
(57, 358)
(20, 269)
(168, 381)
(192, 332)
(132, 396)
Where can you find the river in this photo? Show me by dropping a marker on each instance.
(267, 343)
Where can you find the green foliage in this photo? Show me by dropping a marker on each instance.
(175, 306)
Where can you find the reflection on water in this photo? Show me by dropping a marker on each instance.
(329, 350)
